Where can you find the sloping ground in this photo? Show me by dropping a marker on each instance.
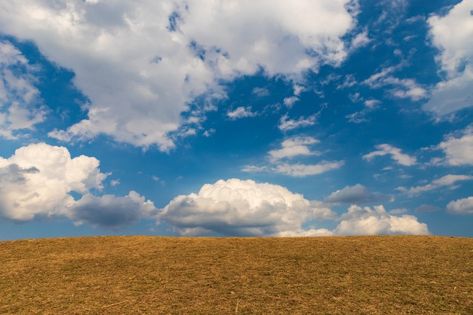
(115, 275)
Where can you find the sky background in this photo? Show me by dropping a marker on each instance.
(225, 118)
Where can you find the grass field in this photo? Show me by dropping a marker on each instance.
(336, 275)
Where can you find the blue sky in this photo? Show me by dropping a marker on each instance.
(268, 118)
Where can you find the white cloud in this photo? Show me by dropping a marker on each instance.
(139, 86)
(461, 206)
(290, 101)
(240, 112)
(458, 151)
(444, 181)
(243, 207)
(286, 124)
(400, 88)
(302, 170)
(395, 154)
(40, 179)
(20, 102)
(260, 91)
(451, 34)
(371, 103)
(356, 194)
(375, 220)
(360, 40)
(293, 147)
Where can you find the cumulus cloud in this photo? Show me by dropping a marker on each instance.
(375, 220)
(240, 112)
(451, 34)
(395, 154)
(356, 194)
(39, 180)
(110, 210)
(242, 207)
(139, 86)
(461, 206)
(20, 102)
(292, 147)
(458, 150)
(444, 181)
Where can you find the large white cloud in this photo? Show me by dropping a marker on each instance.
(242, 207)
(40, 179)
(375, 220)
(451, 34)
(142, 62)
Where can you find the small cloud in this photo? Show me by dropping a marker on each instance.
(395, 154)
(290, 101)
(114, 182)
(292, 147)
(372, 103)
(461, 206)
(302, 170)
(286, 124)
(399, 88)
(240, 112)
(260, 91)
(427, 208)
(444, 181)
(357, 194)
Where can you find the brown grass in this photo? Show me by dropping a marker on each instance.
(116, 275)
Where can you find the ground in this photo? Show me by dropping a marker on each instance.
(326, 275)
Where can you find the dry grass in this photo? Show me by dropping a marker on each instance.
(115, 275)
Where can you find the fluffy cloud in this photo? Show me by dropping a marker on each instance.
(110, 210)
(451, 34)
(139, 86)
(356, 194)
(459, 151)
(292, 147)
(461, 206)
(39, 180)
(444, 181)
(242, 207)
(375, 220)
(20, 103)
(395, 154)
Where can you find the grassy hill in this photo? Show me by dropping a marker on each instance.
(345, 275)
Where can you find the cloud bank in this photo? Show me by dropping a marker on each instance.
(245, 207)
